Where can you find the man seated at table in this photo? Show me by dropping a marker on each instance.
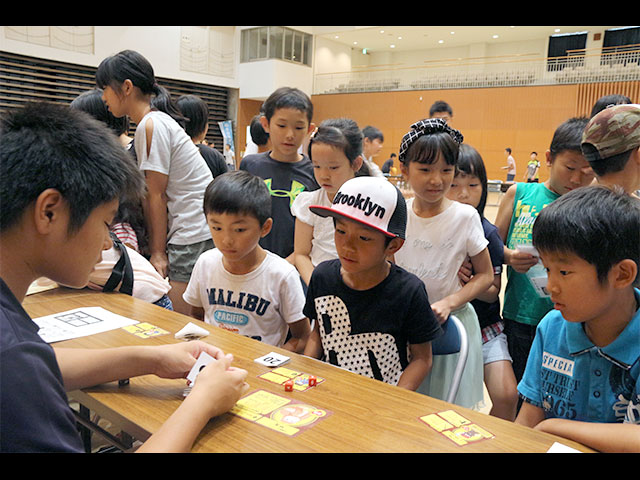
(62, 174)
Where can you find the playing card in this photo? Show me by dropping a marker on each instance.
(272, 359)
(202, 362)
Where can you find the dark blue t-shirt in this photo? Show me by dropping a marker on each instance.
(489, 313)
(285, 181)
(34, 412)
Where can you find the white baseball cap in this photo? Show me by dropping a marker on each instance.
(372, 201)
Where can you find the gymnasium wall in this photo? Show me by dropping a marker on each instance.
(491, 119)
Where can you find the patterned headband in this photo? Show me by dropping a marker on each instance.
(426, 127)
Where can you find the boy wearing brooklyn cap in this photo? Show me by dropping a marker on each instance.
(611, 142)
(367, 310)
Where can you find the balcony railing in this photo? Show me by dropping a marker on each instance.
(614, 64)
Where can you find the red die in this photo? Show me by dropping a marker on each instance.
(312, 381)
(288, 386)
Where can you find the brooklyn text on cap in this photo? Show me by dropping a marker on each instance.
(372, 201)
(614, 130)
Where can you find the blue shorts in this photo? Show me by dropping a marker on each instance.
(164, 302)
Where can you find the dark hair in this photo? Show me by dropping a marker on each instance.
(237, 192)
(508, 149)
(568, 136)
(613, 164)
(471, 163)
(196, 113)
(258, 135)
(372, 133)
(598, 224)
(129, 64)
(608, 100)
(426, 148)
(128, 212)
(440, 106)
(92, 103)
(44, 145)
(342, 133)
(288, 97)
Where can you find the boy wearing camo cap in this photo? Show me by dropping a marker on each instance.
(611, 142)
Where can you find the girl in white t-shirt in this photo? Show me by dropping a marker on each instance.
(335, 150)
(175, 172)
(145, 282)
(441, 234)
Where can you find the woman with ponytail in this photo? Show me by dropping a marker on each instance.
(175, 172)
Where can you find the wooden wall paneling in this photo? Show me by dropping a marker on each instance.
(491, 119)
(589, 93)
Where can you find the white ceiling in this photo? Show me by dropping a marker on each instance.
(405, 38)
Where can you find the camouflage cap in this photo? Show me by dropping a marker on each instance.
(614, 130)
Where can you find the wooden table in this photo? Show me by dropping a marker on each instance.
(364, 415)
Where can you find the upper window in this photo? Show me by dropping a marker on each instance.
(621, 46)
(566, 50)
(283, 43)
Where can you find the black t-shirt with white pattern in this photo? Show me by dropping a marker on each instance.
(368, 332)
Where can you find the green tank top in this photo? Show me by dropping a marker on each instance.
(521, 302)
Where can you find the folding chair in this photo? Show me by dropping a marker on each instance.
(454, 340)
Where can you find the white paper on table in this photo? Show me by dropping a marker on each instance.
(79, 322)
(560, 448)
(191, 331)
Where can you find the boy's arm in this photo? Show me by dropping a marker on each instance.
(313, 348)
(217, 389)
(302, 250)
(82, 368)
(418, 368)
(529, 415)
(505, 211)
(197, 313)
(521, 262)
(300, 332)
(604, 437)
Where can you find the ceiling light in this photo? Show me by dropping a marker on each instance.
(495, 36)
(381, 31)
(557, 30)
(440, 41)
(453, 33)
(399, 38)
(392, 46)
(355, 43)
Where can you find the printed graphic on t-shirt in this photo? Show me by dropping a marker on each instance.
(372, 354)
(560, 385)
(234, 309)
(296, 188)
(526, 215)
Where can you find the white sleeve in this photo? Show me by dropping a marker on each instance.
(292, 297)
(300, 207)
(191, 294)
(476, 241)
(159, 157)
